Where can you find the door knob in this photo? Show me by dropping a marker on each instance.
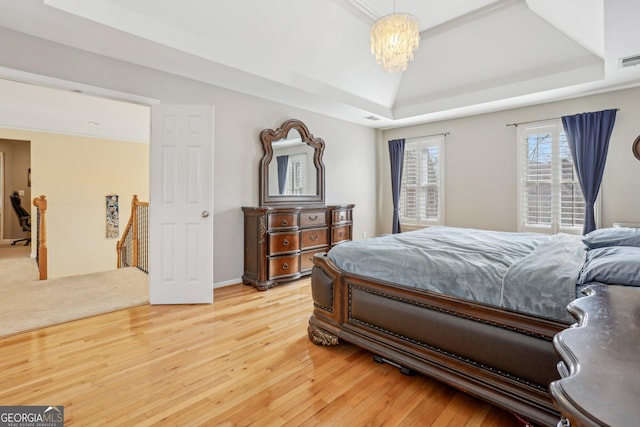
(205, 214)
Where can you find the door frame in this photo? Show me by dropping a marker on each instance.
(45, 81)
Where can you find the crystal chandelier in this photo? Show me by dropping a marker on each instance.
(394, 39)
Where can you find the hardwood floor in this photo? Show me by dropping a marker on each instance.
(245, 360)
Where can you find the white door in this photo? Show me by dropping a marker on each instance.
(181, 204)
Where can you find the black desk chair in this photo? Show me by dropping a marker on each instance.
(23, 215)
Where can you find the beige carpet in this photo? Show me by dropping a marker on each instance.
(28, 303)
(16, 265)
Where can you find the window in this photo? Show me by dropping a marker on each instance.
(550, 198)
(422, 182)
(295, 174)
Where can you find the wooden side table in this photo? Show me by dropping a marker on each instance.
(600, 367)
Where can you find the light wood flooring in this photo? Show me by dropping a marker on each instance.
(244, 360)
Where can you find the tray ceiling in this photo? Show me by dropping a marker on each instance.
(475, 55)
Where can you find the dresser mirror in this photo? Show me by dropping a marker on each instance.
(291, 170)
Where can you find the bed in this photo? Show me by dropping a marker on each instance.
(475, 309)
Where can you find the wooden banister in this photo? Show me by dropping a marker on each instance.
(41, 229)
(132, 252)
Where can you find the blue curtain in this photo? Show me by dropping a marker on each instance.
(283, 162)
(588, 137)
(396, 154)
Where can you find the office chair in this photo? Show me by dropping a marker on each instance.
(23, 215)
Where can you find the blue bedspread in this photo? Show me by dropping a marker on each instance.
(529, 272)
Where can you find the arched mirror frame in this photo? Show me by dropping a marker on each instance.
(267, 137)
(636, 148)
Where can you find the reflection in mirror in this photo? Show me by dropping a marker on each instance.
(291, 170)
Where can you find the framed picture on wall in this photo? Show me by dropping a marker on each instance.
(113, 219)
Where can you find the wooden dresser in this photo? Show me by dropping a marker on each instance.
(600, 383)
(280, 241)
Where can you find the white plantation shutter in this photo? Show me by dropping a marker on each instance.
(422, 183)
(295, 174)
(550, 198)
(538, 197)
(571, 200)
(408, 192)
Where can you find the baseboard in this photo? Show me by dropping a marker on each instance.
(227, 283)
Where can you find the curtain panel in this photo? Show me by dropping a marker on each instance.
(396, 155)
(588, 136)
(283, 163)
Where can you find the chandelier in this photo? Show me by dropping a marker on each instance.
(394, 39)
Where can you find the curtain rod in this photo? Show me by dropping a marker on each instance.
(536, 121)
(426, 136)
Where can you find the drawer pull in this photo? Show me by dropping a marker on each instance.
(285, 242)
(341, 217)
(314, 237)
(285, 266)
(284, 223)
(313, 218)
(340, 234)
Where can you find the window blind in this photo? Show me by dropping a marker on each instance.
(295, 174)
(421, 192)
(550, 195)
(572, 202)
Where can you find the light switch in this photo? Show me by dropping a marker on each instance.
(21, 193)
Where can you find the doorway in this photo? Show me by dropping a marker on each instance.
(15, 166)
(59, 168)
(83, 148)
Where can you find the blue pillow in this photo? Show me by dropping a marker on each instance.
(615, 265)
(615, 236)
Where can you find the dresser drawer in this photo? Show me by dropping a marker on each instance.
(313, 219)
(286, 265)
(306, 259)
(314, 237)
(340, 234)
(280, 240)
(341, 215)
(282, 220)
(284, 242)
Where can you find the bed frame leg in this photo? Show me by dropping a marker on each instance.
(321, 337)
(403, 369)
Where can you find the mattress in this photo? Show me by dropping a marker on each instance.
(532, 273)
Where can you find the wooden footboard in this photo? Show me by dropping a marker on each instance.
(503, 357)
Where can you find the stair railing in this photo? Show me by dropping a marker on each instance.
(41, 231)
(133, 247)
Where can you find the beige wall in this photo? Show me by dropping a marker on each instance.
(16, 172)
(480, 151)
(350, 155)
(349, 159)
(480, 162)
(76, 173)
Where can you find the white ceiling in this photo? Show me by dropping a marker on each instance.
(475, 55)
(43, 109)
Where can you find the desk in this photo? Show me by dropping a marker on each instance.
(600, 384)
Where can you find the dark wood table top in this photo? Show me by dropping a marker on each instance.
(601, 355)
